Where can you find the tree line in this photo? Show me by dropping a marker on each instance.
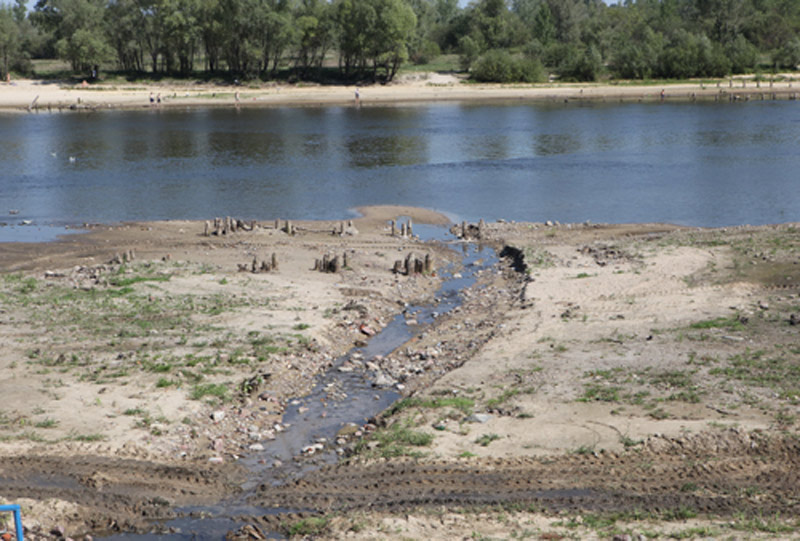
(495, 40)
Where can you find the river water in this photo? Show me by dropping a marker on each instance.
(704, 164)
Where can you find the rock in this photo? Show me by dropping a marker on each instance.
(347, 430)
(366, 329)
(764, 305)
(382, 380)
(217, 416)
(479, 418)
(255, 447)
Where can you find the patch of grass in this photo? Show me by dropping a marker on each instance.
(215, 390)
(486, 439)
(758, 523)
(600, 393)
(307, 527)
(88, 438)
(134, 411)
(729, 323)
(301, 326)
(164, 382)
(46, 423)
(504, 397)
(394, 441)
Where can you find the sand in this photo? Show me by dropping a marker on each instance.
(22, 94)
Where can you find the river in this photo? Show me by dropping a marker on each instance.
(703, 164)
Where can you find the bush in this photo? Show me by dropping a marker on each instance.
(470, 50)
(580, 65)
(692, 55)
(427, 52)
(742, 54)
(498, 66)
(788, 56)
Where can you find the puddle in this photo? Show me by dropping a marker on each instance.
(340, 397)
(33, 232)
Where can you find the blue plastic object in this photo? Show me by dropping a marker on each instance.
(14, 508)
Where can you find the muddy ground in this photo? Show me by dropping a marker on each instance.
(600, 381)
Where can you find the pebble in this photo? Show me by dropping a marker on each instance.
(217, 416)
(256, 447)
(216, 460)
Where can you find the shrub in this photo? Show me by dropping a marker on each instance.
(498, 66)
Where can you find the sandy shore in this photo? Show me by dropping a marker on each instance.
(23, 94)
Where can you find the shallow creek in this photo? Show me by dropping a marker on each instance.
(342, 396)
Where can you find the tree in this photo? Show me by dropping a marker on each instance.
(374, 35)
(9, 40)
(78, 29)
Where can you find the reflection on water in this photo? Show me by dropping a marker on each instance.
(701, 164)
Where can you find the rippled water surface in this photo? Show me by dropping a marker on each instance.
(698, 164)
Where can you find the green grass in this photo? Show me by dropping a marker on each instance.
(46, 423)
(600, 393)
(214, 390)
(394, 441)
(486, 439)
(306, 527)
(729, 323)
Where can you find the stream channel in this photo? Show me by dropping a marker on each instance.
(340, 397)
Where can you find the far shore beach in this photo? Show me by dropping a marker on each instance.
(33, 95)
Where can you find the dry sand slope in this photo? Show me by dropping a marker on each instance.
(597, 370)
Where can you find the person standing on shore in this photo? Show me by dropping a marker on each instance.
(358, 97)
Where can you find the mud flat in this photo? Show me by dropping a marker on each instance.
(600, 380)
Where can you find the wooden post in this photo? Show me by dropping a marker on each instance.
(481, 225)
(403, 230)
(335, 266)
(394, 229)
(408, 264)
(410, 230)
(206, 228)
(254, 265)
(344, 260)
(428, 264)
(398, 267)
(274, 261)
(463, 229)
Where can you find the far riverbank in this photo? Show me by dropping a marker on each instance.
(29, 95)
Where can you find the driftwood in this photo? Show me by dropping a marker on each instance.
(331, 264)
(264, 266)
(224, 226)
(406, 229)
(125, 257)
(413, 265)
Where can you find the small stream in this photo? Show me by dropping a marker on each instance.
(346, 394)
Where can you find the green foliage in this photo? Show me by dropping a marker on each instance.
(486, 439)
(307, 527)
(788, 55)
(215, 390)
(499, 66)
(393, 441)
